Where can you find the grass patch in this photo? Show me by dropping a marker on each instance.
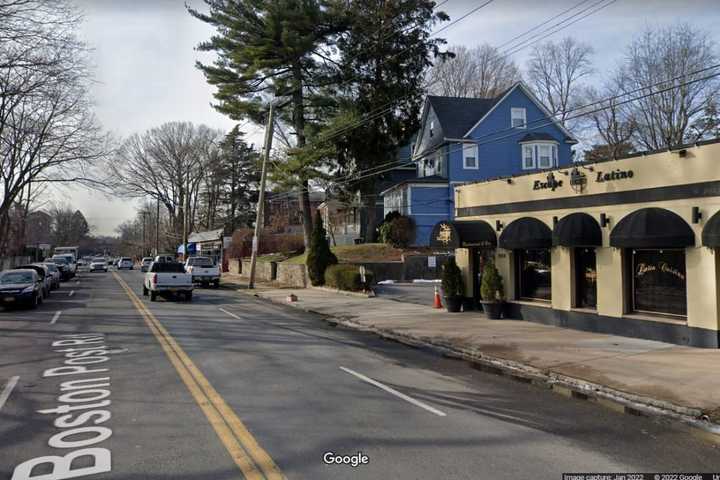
(366, 252)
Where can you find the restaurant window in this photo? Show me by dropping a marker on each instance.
(585, 278)
(533, 274)
(658, 281)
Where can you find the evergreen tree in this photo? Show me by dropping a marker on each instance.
(384, 55)
(242, 174)
(268, 49)
(319, 256)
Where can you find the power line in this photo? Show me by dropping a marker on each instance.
(491, 136)
(542, 35)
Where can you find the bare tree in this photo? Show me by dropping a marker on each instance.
(167, 163)
(674, 53)
(480, 72)
(612, 118)
(556, 72)
(47, 130)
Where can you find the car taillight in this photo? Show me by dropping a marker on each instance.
(154, 280)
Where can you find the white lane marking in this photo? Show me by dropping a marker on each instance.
(8, 390)
(55, 317)
(72, 292)
(394, 392)
(230, 313)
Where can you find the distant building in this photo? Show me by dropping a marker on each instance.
(470, 139)
(283, 213)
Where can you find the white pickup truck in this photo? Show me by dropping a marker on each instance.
(203, 270)
(165, 278)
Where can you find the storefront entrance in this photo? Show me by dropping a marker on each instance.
(585, 278)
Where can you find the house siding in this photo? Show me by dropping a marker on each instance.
(430, 205)
(499, 153)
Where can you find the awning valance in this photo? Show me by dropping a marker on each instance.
(526, 232)
(462, 234)
(651, 228)
(577, 230)
(711, 232)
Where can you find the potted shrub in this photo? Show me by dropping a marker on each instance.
(452, 285)
(492, 291)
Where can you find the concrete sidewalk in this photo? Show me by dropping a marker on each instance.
(661, 377)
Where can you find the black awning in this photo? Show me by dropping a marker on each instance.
(577, 230)
(652, 228)
(711, 232)
(526, 232)
(462, 234)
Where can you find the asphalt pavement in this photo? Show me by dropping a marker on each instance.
(228, 386)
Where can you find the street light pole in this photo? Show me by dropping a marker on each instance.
(157, 226)
(261, 198)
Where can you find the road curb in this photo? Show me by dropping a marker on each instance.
(692, 419)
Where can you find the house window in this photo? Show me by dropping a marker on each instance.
(544, 156)
(539, 155)
(518, 118)
(432, 127)
(528, 157)
(470, 156)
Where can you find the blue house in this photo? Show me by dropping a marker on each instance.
(470, 139)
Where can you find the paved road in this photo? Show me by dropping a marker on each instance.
(230, 387)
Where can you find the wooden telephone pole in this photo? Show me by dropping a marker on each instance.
(259, 218)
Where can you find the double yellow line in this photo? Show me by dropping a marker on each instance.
(249, 456)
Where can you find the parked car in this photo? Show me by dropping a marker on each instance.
(164, 258)
(69, 260)
(203, 270)
(20, 287)
(62, 265)
(98, 265)
(125, 262)
(44, 275)
(145, 264)
(167, 278)
(54, 272)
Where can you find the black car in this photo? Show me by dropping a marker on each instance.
(20, 287)
(63, 266)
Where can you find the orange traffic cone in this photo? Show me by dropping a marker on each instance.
(437, 303)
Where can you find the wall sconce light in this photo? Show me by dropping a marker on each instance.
(498, 225)
(555, 221)
(588, 168)
(509, 181)
(682, 153)
(566, 173)
(604, 220)
(696, 215)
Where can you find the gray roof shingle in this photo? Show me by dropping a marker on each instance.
(457, 115)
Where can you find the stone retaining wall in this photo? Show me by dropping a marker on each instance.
(264, 271)
(292, 275)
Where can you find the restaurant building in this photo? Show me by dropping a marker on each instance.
(627, 246)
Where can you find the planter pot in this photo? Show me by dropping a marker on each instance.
(453, 304)
(493, 310)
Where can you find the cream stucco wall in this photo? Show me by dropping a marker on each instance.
(660, 170)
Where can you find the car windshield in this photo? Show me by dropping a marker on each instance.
(16, 277)
(59, 260)
(50, 266)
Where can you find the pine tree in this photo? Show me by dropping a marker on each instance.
(319, 256)
(384, 55)
(267, 49)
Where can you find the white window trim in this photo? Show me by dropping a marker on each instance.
(535, 146)
(474, 149)
(518, 110)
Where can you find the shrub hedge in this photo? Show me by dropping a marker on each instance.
(347, 277)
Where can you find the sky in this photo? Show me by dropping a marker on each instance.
(143, 52)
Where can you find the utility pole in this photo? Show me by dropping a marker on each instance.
(157, 226)
(259, 218)
(144, 215)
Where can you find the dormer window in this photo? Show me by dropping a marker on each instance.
(432, 128)
(518, 118)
